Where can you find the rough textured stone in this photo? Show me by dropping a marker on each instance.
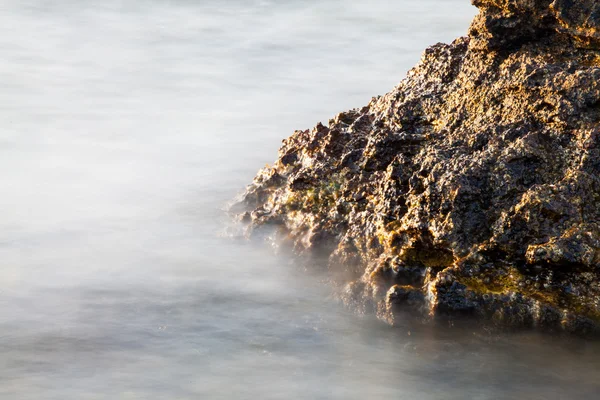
(510, 23)
(473, 187)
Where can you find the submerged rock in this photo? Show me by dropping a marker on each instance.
(473, 187)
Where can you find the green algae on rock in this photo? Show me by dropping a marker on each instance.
(473, 187)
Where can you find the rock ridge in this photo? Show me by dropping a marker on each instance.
(472, 188)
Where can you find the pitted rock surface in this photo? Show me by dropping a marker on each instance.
(471, 188)
(510, 23)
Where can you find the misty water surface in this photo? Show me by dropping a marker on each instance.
(125, 127)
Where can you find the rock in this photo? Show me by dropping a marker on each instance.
(506, 24)
(473, 187)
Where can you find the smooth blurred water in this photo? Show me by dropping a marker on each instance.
(125, 127)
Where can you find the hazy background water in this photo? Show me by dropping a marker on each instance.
(125, 126)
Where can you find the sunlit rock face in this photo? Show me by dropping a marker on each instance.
(472, 188)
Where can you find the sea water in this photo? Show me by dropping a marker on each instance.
(126, 127)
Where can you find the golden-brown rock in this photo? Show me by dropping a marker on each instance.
(473, 187)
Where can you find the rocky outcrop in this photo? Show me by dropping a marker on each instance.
(472, 188)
